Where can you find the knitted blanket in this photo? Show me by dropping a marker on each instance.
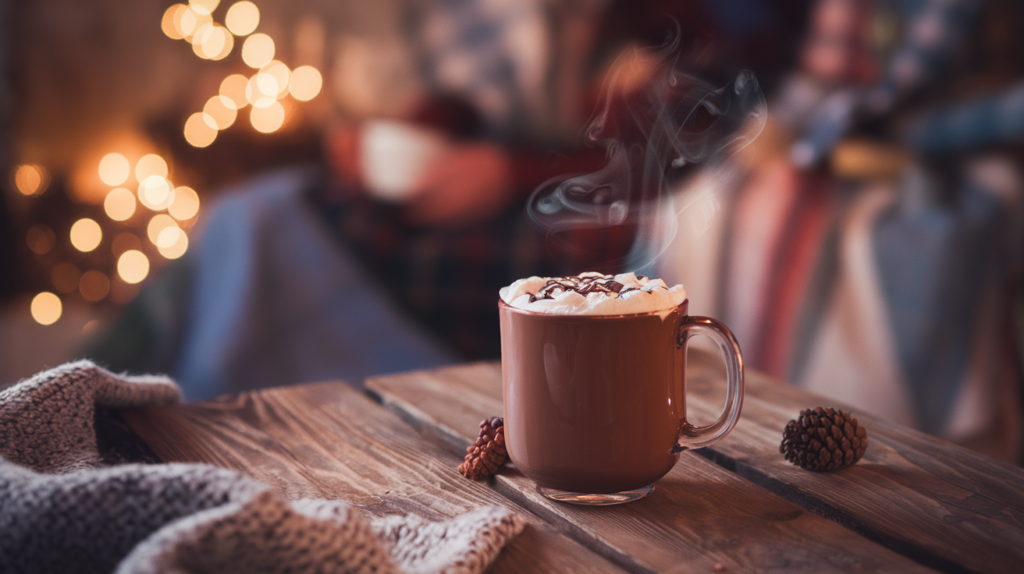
(61, 510)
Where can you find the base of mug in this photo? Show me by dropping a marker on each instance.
(584, 499)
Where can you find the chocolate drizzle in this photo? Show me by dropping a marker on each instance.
(584, 284)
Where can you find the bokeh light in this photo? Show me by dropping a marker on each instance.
(65, 277)
(222, 110)
(86, 235)
(150, 164)
(203, 7)
(269, 119)
(184, 21)
(267, 85)
(212, 42)
(172, 243)
(242, 18)
(132, 266)
(255, 94)
(185, 205)
(158, 223)
(200, 130)
(190, 23)
(171, 22)
(123, 242)
(168, 236)
(94, 285)
(31, 179)
(281, 74)
(119, 204)
(40, 239)
(229, 44)
(155, 192)
(306, 83)
(46, 308)
(201, 33)
(258, 50)
(233, 88)
(114, 169)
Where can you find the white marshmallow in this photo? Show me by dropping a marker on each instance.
(650, 295)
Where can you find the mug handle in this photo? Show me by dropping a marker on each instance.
(691, 437)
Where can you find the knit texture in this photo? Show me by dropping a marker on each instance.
(61, 511)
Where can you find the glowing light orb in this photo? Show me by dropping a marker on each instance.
(229, 44)
(269, 119)
(212, 42)
(86, 235)
(46, 308)
(171, 22)
(185, 205)
(242, 18)
(306, 83)
(31, 179)
(200, 130)
(281, 74)
(172, 243)
(133, 266)
(258, 50)
(160, 222)
(203, 7)
(267, 85)
(150, 164)
(233, 88)
(190, 22)
(119, 204)
(155, 192)
(114, 169)
(255, 94)
(222, 110)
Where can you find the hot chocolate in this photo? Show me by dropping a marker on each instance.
(593, 294)
(593, 383)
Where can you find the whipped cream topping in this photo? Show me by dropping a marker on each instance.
(593, 294)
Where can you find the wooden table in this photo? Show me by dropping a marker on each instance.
(913, 503)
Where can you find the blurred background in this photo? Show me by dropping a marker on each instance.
(244, 194)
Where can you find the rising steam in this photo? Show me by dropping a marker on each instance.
(649, 132)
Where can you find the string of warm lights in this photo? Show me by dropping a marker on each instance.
(174, 208)
(264, 91)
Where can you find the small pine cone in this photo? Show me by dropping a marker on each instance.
(488, 453)
(824, 439)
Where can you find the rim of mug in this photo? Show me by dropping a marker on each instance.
(685, 303)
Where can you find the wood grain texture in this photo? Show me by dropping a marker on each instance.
(927, 498)
(330, 441)
(700, 517)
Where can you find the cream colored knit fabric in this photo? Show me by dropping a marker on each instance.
(61, 512)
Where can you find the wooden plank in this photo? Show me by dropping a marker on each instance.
(927, 498)
(701, 517)
(330, 441)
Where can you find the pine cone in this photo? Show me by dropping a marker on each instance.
(488, 453)
(824, 439)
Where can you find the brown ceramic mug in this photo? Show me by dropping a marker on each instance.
(595, 405)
